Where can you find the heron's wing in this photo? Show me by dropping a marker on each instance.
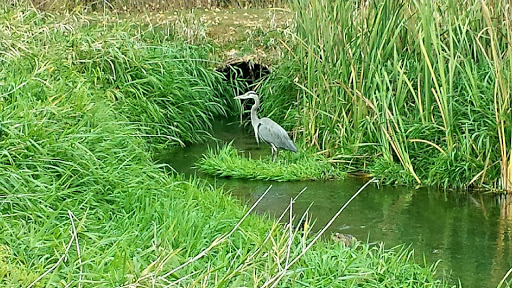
(270, 132)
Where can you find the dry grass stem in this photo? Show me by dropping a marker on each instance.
(63, 256)
(272, 282)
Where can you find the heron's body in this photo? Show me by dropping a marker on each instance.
(266, 129)
(274, 135)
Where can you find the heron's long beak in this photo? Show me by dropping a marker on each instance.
(243, 96)
(247, 95)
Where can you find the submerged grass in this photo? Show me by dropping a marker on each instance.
(83, 205)
(421, 85)
(229, 162)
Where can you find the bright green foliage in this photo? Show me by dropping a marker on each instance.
(81, 201)
(227, 162)
(390, 270)
(167, 89)
(13, 274)
(421, 84)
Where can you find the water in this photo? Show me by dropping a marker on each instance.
(470, 234)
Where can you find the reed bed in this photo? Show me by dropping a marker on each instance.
(82, 204)
(416, 92)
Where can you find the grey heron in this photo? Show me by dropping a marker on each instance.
(267, 130)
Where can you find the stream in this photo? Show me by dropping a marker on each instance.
(469, 234)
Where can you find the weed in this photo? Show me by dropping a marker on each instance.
(227, 162)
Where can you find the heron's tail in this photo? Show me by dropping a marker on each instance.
(292, 147)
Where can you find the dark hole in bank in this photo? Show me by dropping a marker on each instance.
(245, 71)
(244, 76)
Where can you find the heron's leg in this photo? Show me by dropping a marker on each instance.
(274, 152)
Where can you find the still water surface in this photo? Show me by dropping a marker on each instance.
(470, 234)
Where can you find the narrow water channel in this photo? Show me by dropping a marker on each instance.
(470, 234)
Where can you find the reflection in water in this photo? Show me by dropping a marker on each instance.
(471, 235)
(469, 238)
(504, 237)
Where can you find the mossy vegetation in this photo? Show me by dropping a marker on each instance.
(229, 162)
(82, 204)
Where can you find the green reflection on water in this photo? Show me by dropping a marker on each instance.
(470, 234)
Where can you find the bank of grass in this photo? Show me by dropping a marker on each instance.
(422, 86)
(82, 204)
(226, 161)
(150, 5)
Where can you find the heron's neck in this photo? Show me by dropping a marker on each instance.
(254, 113)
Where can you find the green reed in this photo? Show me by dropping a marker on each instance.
(420, 83)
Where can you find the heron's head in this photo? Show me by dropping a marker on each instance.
(248, 95)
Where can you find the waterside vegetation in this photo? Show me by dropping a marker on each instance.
(415, 92)
(84, 100)
(304, 165)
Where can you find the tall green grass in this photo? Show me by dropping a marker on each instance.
(165, 87)
(421, 84)
(83, 205)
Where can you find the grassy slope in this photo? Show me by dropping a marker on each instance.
(73, 162)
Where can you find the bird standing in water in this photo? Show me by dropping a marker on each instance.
(267, 130)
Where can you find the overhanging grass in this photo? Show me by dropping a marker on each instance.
(228, 162)
(82, 203)
(168, 89)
